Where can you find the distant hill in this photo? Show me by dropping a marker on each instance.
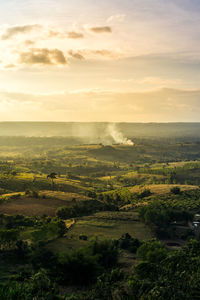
(99, 132)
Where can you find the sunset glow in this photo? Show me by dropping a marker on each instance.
(86, 60)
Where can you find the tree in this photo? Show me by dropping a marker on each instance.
(52, 176)
(153, 251)
(129, 243)
(175, 276)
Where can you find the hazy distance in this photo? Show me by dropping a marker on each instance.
(102, 132)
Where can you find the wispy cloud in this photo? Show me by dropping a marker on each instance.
(41, 33)
(64, 35)
(75, 35)
(94, 54)
(105, 53)
(76, 55)
(101, 29)
(15, 30)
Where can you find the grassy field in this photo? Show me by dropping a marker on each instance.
(48, 201)
(45, 204)
(25, 181)
(104, 225)
(64, 196)
(161, 189)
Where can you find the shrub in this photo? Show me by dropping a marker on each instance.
(8, 238)
(152, 251)
(129, 243)
(145, 193)
(106, 252)
(83, 237)
(175, 190)
(78, 267)
(35, 194)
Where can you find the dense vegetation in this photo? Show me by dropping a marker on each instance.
(91, 222)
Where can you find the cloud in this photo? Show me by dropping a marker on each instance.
(118, 18)
(75, 35)
(104, 52)
(63, 35)
(45, 33)
(103, 29)
(76, 55)
(53, 34)
(93, 54)
(43, 56)
(15, 30)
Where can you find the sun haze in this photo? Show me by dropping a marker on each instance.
(86, 60)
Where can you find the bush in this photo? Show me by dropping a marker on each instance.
(35, 194)
(8, 238)
(82, 208)
(38, 286)
(128, 243)
(78, 267)
(176, 190)
(145, 193)
(83, 237)
(106, 252)
(152, 251)
(108, 284)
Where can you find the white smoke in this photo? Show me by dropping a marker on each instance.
(117, 136)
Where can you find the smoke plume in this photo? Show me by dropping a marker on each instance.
(117, 136)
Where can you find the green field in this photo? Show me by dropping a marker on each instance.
(104, 225)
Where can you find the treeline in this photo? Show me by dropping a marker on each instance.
(41, 229)
(188, 200)
(22, 141)
(83, 208)
(123, 196)
(108, 201)
(19, 221)
(186, 174)
(160, 218)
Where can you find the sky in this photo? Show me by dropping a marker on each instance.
(108, 60)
